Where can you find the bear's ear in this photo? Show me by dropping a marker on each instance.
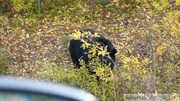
(113, 52)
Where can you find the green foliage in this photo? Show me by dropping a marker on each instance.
(51, 71)
(173, 18)
(102, 2)
(5, 58)
(76, 77)
(166, 74)
(65, 40)
(22, 5)
(3, 21)
(160, 5)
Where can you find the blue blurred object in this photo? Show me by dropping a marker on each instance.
(23, 89)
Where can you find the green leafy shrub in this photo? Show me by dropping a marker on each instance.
(5, 58)
(22, 5)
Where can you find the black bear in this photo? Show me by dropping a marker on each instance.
(77, 52)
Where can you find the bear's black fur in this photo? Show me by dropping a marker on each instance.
(77, 52)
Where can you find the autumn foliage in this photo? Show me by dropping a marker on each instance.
(35, 34)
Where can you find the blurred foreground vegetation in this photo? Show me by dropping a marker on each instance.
(34, 38)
